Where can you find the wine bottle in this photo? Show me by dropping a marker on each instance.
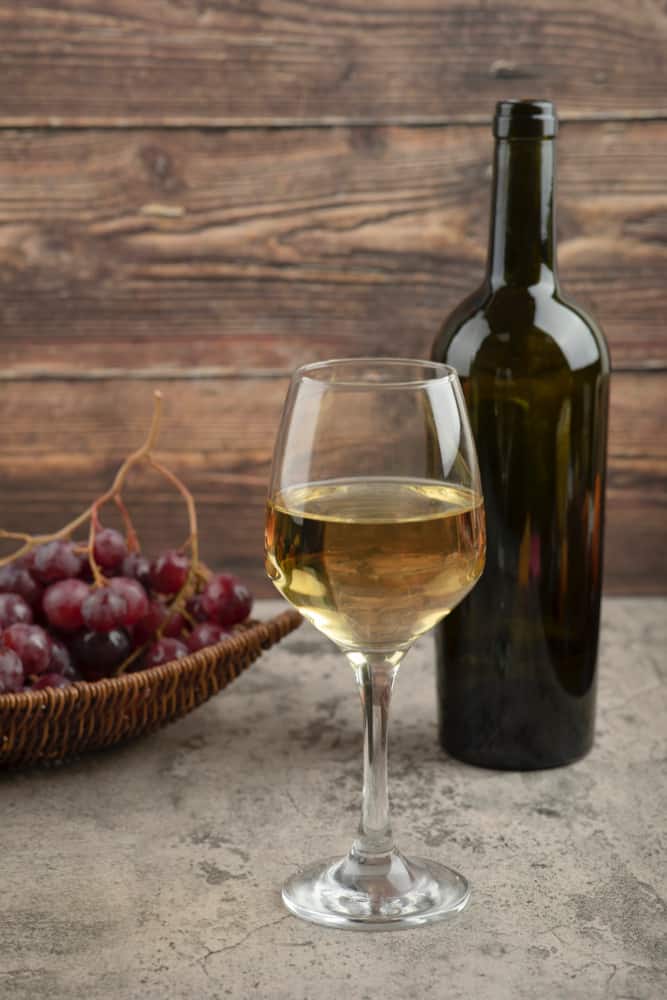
(517, 659)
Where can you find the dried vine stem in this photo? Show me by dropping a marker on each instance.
(114, 493)
(32, 541)
(130, 531)
(98, 576)
(197, 574)
(193, 538)
(177, 605)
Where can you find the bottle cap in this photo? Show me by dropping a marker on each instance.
(525, 120)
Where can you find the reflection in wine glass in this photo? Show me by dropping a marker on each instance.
(375, 531)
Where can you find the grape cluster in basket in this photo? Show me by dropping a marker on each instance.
(74, 611)
(57, 626)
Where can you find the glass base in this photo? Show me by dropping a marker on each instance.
(375, 893)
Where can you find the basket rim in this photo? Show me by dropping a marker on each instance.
(250, 629)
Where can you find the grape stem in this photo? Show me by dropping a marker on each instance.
(91, 514)
(177, 605)
(134, 655)
(197, 572)
(98, 576)
(193, 539)
(130, 531)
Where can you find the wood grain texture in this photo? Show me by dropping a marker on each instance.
(59, 450)
(268, 61)
(160, 248)
(259, 250)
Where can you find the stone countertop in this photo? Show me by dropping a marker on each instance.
(153, 871)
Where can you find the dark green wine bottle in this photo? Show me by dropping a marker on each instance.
(517, 659)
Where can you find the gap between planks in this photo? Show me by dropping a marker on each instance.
(143, 375)
(210, 373)
(327, 121)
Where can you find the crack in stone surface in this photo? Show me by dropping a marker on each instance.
(236, 944)
(607, 985)
(297, 808)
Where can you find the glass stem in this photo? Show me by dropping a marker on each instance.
(375, 679)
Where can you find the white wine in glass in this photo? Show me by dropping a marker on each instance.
(344, 551)
(375, 531)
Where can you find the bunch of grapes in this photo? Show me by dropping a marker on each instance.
(83, 611)
(56, 626)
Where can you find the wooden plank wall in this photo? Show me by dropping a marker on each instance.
(200, 196)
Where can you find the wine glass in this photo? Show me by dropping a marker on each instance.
(375, 530)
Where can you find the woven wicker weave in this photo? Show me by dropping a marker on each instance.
(56, 723)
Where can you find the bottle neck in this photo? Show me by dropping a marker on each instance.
(522, 246)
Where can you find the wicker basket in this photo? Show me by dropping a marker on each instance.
(53, 724)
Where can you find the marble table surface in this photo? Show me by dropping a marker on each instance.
(153, 870)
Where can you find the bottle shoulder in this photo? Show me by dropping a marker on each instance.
(466, 327)
(589, 328)
(533, 329)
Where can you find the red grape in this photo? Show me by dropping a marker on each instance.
(11, 671)
(174, 626)
(164, 651)
(56, 561)
(63, 603)
(158, 617)
(206, 634)
(32, 645)
(195, 610)
(104, 609)
(134, 596)
(8, 575)
(14, 609)
(110, 548)
(61, 661)
(137, 567)
(50, 681)
(98, 654)
(226, 600)
(150, 623)
(15, 579)
(169, 572)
